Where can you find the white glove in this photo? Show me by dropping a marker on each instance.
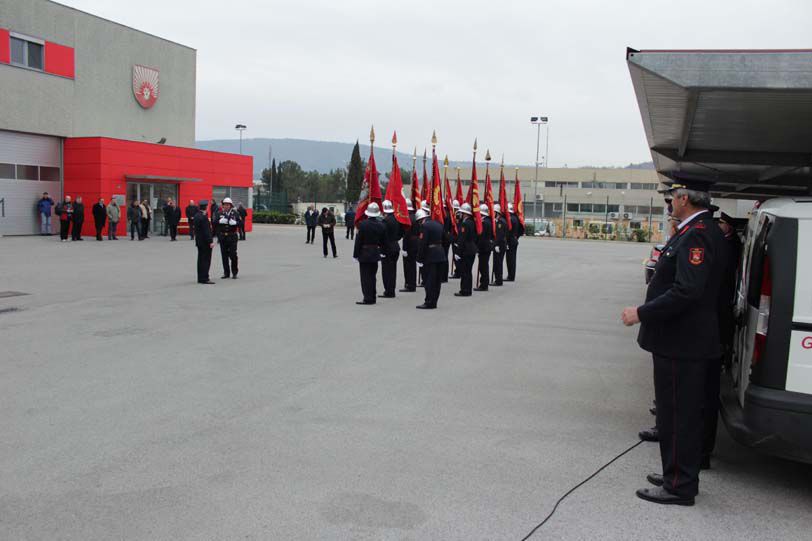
(232, 222)
(457, 258)
(223, 220)
(404, 253)
(383, 256)
(420, 265)
(496, 249)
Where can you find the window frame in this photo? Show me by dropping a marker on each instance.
(26, 41)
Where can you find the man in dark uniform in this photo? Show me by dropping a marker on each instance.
(78, 219)
(367, 251)
(484, 249)
(99, 217)
(466, 250)
(228, 226)
(516, 231)
(391, 251)
(446, 243)
(172, 217)
(204, 240)
(191, 212)
(499, 245)
(680, 328)
(409, 252)
(349, 221)
(243, 215)
(311, 218)
(455, 272)
(431, 256)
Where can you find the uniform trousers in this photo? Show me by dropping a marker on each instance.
(679, 390)
(433, 274)
(511, 261)
(710, 408)
(76, 230)
(484, 273)
(228, 251)
(466, 266)
(389, 273)
(203, 262)
(325, 235)
(409, 273)
(498, 268)
(173, 231)
(311, 233)
(369, 278)
(350, 231)
(444, 267)
(454, 263)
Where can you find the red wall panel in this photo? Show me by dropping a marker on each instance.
(59, 60)
(5, 46)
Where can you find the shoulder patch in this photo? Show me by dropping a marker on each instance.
(700, 225)
(697, 256)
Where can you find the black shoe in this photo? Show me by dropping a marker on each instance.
(407, 290)
(234, 276)
(364, 302)
(454, 277)
(655, 479)
(705, 464)
(325, 256)
(649, 434)
(334, 256)
(225, 277)
(662, 496)
(461, 294)
(480, 289)
(653, 411)
(496, 284)
(385, 296)
(208, 283)
(425, 306)
(510, 279)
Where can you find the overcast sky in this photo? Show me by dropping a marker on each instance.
(327, 69)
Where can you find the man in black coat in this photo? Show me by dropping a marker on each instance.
(172, 217)
(204, 240)
(349, 221)
(78, 219)
(484, 249)
(409, 252)
(455, 273)
(448, 231)
(391, 251)
(679, 326)
(99, 217)
(431, 256)
(191, 211)
(367, 251)
(499, 245)
(243, 216)
(327, 222)
(466, 249)
(516, 231)
(311, 218)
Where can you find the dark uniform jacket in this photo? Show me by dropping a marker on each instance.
(349, 218)
(485, 240)
(465, 243)
(99, 214)
(326, 220)
(78, 213)
(172, 215)
(369, 241)
(393, 235)
(242, 212)
(411, 237)
(226, 229)
(430, 249)
(516, 231)
(311, 218)
(191, 211)
(203, 234)
(501, 234)
(679, 318)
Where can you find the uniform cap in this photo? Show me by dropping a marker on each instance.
(387, 207)
(227, 200)
(510, 207)
(425, 206)
(409, 205)
(484, 209)
(421, 215)
(465, 208)
(497, 208)
(694, 185)
(455, 204)
(373, 210)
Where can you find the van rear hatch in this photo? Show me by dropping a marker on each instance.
(799, 369)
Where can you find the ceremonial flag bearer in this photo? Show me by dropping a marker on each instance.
(431, 257)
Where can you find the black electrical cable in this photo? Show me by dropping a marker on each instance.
(576, 487)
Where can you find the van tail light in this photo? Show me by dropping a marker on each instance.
(763, 322)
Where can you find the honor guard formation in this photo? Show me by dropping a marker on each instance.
(424, 227)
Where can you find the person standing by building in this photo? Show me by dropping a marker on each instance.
(172, 217)
(311, 220)
(113, 217)
(410, 246)
(499, 245)
(99, 217)
(466, 249)
(679, 327)
(243, 216)
(484, 249)
(78, 219)
(367, 251)
(516, 231)
(142, 207)
(64, 211)
(204, 240)
(349, 221)
(327, 222)
(147, 218)
(44, 207)
(134, 218)
(228, 226)
(432, 257)
(391, 251)
(191, 211)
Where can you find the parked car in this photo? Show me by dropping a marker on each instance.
(651, 262)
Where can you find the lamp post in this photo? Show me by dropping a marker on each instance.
(538, 121)
(240, 128)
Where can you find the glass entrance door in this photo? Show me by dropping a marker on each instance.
(157, 193)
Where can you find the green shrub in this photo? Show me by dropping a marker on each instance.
(273, 217)
(640, 235)
(529, 230)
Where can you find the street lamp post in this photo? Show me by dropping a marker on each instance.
(240, 128)
(537, 121)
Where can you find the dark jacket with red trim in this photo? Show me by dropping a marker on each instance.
(679, 319)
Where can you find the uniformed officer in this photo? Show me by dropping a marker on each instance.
(466, 249)
(680, 328)
(424, 205)
(409, 253)
(484, 249)
(204, 240)
(431, 257)
(447, 231)
(391, 251)
(516, 231)
(453, 238)
(227, 224)
(499, 245)
(369, 243)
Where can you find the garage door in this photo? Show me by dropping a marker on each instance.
(29, 165)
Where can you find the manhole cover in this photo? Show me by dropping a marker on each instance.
(7, 294)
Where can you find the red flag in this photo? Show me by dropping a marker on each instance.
(448, 201)
(459, 188)
(370, 189)
(415, 190)
(394, 193)
(518, 202)
(489, 199)
(503, 200)
(424, 193)
(473, 199)
(436, 201)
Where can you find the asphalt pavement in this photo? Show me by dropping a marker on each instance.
(137, 404)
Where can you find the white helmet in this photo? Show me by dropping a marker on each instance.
(409, 205)
(421, 215)
(227, 200)
(387, 207)
(497, 208)
(373, 210)
(465, 208)
(510, 208)
(455, 204)
(425, 206)
(484, 209)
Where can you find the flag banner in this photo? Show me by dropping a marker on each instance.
(394, 193)
(370, 189)
(473, 200)
(503, 200)
(424, 193)
(458, 193)
(415, 190)
(489, 200)
(518, 202)
(436, 201)
(449, 201)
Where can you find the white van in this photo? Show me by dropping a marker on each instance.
(767, 396)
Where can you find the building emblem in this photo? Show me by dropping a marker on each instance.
(145, 86)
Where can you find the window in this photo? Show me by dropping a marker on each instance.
(237, 194)
(557, 184)
(643, 186)
(27, 172)
(7, 170)
(586, 207)
(550, 184)
(599, 209)
(642, 209)
(657, 211)
(635, 225)
(572, 207)
(50, 174)
(587, 185)
(27, 52)
(577, 223)
(614, 208)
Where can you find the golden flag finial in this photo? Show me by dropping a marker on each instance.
(372, 134)
(488, 155)
(434, 138)
(395, 138)
(474, 144)
(424, 155)
(458, 169)
(445, 162)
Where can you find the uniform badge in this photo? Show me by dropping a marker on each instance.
(697, 256)
(700, 225)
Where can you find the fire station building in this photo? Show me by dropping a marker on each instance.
(92, 108)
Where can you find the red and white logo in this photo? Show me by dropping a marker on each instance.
(145, 86)
(806, 343)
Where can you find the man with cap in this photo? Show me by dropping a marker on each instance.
(430, 256)
(204, 240)
(455, 274)
(499, 245)
(369, 242)
(516, 231)
(227, 221)
(391, 251)
(484, 249)
(466, 249)
(679, 326)
(409, 253)
(327, 222)
(424, 205)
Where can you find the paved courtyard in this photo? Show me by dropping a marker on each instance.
(136, 404)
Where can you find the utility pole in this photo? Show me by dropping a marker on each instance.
(538, 121)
